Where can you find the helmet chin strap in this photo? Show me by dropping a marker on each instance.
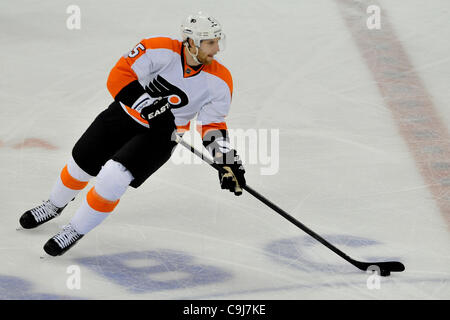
(194, 56)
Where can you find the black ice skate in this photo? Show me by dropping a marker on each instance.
(39, 215)
(63, 241)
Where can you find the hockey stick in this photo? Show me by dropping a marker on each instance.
(384, 268)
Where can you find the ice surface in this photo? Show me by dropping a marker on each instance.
(344, 169)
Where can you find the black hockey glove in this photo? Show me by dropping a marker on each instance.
(158, 115)
(232, 178)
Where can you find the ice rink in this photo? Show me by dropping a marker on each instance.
(351, 123)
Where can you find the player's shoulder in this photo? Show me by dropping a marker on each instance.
(219, 70)
(162, 42)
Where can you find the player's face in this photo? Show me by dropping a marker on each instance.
(208, 49)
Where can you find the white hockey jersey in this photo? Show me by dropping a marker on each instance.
(157, 66)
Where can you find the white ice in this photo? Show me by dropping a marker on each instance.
(344, 170)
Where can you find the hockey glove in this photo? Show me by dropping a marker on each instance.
(158, 114)
(232, 176)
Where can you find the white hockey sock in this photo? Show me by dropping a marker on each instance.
(70, 182)
(112, 182)
(86, 218)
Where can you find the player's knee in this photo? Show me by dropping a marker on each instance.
(76, 172)
(113, 180)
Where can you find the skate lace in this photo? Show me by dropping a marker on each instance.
(44, 211)
(66, 237)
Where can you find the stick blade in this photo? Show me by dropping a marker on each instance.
(393, 266)
(384, 268)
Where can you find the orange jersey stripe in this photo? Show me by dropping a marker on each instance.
(219, 70)
(122, 73)
(98, 203)
(135, 114)
(70, 182)
(183, 129)
(162, 43)
(203, 129)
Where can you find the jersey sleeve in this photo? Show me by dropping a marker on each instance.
(127, 79)
(123, 80)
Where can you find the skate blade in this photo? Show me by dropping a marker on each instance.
(46, 256)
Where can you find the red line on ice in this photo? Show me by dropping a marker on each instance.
(34, 142)
(406, 96)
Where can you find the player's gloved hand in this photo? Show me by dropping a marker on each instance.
(158, 114)
(232, 178)
(158, 111)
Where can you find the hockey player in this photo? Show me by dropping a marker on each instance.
(158, 87)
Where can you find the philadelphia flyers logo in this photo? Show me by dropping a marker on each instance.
(160, 87)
